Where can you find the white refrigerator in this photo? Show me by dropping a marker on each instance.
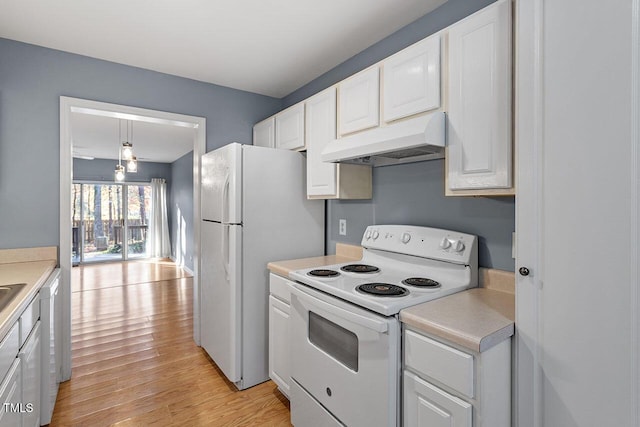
(254, 210)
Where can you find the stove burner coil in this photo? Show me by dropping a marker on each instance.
(359, 268)
(323, 273)
(382, 289)
(421, 282)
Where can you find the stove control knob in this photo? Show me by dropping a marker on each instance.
(459, 246)
(445, 244)
(406, 237)
(375, 234)
(367, 235)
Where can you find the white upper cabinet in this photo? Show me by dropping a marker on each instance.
(290, 128)
(321, 128)
(330, 180)
(359, 101)
(411, 80)
(479, 102)
(264, 133)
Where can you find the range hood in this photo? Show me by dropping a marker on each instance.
(413, 140)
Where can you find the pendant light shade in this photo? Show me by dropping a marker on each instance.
(119, 173)
(127, 150)
(132, 165)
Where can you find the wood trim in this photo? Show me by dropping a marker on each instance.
(45, 253)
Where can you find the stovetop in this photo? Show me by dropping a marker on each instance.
(413, 264)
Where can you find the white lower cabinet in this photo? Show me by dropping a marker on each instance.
(279, 347)
(30, 361)
(426, 405)
(11, 396)
(20, 370)
(445, 385)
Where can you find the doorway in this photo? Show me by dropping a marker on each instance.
(110, 221)
(69, 107)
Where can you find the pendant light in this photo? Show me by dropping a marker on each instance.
(132, 165)
(132, 162)
(127, 147)
(119, 171)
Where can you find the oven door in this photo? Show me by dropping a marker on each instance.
(346, 358)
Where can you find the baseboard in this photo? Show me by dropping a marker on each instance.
(184, 267)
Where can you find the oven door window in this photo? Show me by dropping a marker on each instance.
(333, 339)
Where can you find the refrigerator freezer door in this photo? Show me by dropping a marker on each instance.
(222, 184)
(221, 290)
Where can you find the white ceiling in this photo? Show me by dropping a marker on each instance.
(271, 47)
(99, 136)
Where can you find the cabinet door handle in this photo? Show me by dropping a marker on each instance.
(524, 271)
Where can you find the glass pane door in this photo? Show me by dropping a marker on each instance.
(100, 229)
(138, 210)
(103, 223)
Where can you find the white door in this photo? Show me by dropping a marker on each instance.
(264, 133)
(320, 111)
(412, 80)
(359, 101)
(279, 344)
(220, 302)
(479, 90)
(345, 357)
(290, 128)
(577, 219)
(30, 358)
(11, 396)
(426, 405)
(221, 186)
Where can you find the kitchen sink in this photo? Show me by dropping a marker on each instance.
(8, 293)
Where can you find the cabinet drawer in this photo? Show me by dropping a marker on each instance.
(280, 287)
(29, 318)
(9, 350)
(445, 364)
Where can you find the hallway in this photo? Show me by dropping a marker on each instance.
(135, 362)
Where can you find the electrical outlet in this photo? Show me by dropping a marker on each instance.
(343, 227)
(513, 245)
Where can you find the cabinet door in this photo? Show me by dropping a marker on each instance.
(290, 128)
(479, 90)
(30, 361)
(264, 133)
(411, 80)
(425, 405)
(279, 347)
(11, 403)
(359, 101)
(320, 111)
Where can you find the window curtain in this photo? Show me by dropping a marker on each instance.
(159, 243)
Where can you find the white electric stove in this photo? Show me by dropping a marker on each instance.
(401, 266)
(345, 331)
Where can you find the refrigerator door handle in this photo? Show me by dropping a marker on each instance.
(225, 251)
(224, 204)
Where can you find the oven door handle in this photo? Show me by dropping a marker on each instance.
(308, 300)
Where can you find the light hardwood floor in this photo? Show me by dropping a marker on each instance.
(135, 362)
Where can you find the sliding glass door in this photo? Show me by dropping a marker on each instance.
(101, 229)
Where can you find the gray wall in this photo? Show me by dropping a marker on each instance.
(414, 193)
(33, 78)
(102, 170)
(180, 209)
